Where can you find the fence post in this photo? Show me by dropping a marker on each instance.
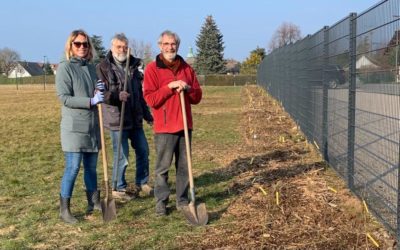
(16, 76)
(398, 202)
(352, 99)
(398, 162)
(325, 96)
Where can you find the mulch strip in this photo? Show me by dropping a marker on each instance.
(286, 196)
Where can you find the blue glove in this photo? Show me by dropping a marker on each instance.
(100, 86)
(97, 98)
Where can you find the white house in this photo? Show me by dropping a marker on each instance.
(26, 69)
(366, 62)
(54, 67)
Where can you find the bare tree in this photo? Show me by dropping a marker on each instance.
(141, 50)
(286, 33)
(148, 54)
(8, 60)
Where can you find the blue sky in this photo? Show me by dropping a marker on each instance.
(40, 28)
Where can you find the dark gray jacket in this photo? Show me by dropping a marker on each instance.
(135, 108)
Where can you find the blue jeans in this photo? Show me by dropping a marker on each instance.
(72, 165)
(139, 143)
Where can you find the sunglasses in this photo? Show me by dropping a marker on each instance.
(79, 44)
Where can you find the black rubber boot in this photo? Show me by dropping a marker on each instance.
(93, 199)
(65, 213)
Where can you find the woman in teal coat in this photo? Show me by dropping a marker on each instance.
(80, 136)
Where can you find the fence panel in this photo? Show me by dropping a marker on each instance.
(376, 141)
(342, 86)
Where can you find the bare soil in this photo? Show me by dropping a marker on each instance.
(287, 197)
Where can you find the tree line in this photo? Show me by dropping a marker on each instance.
(210, 51)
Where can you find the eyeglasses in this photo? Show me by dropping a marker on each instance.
(169, 44)
(79, 44)
(121, 47)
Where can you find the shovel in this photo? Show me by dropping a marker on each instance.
(121, 121)
(196, 214)
(107, 204)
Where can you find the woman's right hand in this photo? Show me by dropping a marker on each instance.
(100, 86)
(97, 98)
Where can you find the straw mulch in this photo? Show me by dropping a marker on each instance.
(285, 196)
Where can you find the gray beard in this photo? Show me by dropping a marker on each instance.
(120, 58)
(169, 56)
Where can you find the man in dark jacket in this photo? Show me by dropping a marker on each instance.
(112, 71)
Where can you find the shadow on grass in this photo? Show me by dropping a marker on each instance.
(271, 176)
(259, 164)
(242, 165)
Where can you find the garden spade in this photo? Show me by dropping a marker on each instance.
(121, 121)
(196, 214)
(107, 204)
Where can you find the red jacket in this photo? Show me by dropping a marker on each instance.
(164, 101)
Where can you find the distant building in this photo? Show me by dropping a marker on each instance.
(26, 69)
(54, 67)
(232, 67)
(366, 62)
(190, 58)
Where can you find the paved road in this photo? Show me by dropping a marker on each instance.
(377, 137)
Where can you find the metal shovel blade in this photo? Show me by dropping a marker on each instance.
(108, 209)
(196, 214)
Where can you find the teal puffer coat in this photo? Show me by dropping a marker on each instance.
(75, 85)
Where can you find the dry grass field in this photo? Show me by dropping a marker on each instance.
(264, 186)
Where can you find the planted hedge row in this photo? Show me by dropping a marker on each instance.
(226, 80)
(206, 80)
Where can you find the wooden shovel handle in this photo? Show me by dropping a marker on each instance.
(121, 121)
(185, 127)
(103, 147)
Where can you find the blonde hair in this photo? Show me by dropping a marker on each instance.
(71, 38)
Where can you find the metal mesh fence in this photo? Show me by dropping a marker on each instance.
(342, 87)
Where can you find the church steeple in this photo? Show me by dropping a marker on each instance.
(190, 58)
(190, 54)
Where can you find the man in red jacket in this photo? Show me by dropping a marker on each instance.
(164, 79)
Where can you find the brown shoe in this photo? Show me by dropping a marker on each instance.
(123, 195)
(146, 189)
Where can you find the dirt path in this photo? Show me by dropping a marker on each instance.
(287, 197)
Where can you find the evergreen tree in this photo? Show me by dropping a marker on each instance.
(47, 69)
(250, 65)
(210, 48)
(99, 48)
(259, 51)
